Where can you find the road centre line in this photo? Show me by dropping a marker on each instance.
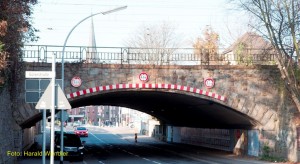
(146, 146)
(146, 159)
(186, 156)
(99, 139)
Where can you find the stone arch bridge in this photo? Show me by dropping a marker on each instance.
(244, 96)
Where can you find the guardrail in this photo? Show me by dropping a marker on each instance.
(155, 56)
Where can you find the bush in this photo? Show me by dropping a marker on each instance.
(267, 157)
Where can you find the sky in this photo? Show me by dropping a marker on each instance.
(55, 19)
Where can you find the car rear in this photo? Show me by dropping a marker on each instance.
(73, 147)
(81, 131)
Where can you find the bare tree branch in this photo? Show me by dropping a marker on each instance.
(280, 20)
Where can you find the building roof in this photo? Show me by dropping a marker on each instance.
(251, 41)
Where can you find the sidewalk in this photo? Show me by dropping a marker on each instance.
(39, 137)
(38, 147)
(190, 151)
(127, 133)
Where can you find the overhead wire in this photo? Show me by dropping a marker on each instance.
(170, 10)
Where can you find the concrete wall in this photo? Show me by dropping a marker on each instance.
(151, 128)
(174, 134)
(28, 137)
(236, 140)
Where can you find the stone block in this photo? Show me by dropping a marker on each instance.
(241, 103)
(261, 113)
(270, 124)
(267, 117)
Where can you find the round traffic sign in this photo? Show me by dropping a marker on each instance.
(209, 82)
(144, 77)
(76, 81)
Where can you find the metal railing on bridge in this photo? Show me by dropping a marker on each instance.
(151, 56)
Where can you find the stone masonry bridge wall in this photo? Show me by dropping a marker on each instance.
(253, 90)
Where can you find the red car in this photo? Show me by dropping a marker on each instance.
(81, 131)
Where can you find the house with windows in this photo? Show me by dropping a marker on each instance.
(249, 49)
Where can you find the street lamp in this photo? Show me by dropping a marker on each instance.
(63, 71)
(63, 51)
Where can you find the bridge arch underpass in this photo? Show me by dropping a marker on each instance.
(172, 108)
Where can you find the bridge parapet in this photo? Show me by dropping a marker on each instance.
(155, 56)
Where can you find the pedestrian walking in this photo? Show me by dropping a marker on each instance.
(135, 137)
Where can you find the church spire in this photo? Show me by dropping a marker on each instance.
(92, 51)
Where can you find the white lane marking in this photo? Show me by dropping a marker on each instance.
(146, 159)
(100, 139)
(140, 156)
(123, 150)
(186, 156)
(101, 162)
(84, 162)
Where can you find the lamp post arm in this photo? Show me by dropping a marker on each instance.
(65, 43)
(63, 71)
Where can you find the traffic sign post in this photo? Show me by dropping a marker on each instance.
(63, 116)
(53, 98)
(46, 99)
(44, 137)
(34, 88)
(52, 111)
(38, 74)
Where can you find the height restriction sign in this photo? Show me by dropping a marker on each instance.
(209, 82)
(144, 77)
(76, 81)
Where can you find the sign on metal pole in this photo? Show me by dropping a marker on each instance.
(34, 88)
(64, 114)
(46, 99)
(39, 74)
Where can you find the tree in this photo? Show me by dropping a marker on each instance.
(279, 22)
(207, 46)
(153, 44)
(15, 29)
(3, 54)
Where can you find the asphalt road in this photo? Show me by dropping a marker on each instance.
(113, 145)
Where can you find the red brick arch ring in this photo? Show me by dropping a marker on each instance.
(146, 86)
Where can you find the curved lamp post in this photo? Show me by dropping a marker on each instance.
(63, 51)
(63, 71)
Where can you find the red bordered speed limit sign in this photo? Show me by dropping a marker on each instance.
(144, 77)
(209, 82)
(76, 81)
